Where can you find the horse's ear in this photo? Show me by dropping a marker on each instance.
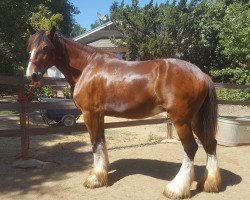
(52, 31)
(31, 29)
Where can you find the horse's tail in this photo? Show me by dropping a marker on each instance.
(207, 115)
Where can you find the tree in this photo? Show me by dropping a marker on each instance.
(235, 35)
(197, 31)
(15, 15)
(43, 18)
(141, 29)
(207, 19)
(67, 10)
(77, 30)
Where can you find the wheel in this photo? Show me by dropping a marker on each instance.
(68, 120)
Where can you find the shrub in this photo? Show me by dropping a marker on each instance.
(67, 92)
(230, 75)
(48, 91)
(227, 94)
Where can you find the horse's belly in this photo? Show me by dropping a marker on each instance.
(136, 112)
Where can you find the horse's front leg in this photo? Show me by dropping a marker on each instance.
(98, 176)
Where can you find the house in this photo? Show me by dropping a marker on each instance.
(98, 37)
(54, 72)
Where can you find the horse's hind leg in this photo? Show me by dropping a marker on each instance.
(179, 187)
(211, 179)
(98, 176)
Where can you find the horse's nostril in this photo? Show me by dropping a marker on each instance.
(35, 77)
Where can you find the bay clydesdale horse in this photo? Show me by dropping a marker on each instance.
(104, 85)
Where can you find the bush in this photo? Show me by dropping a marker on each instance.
(45, 91)
(227, 94)
(67, 92)
(230, 75)
(6, 90)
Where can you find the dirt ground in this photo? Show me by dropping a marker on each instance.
(141, 166)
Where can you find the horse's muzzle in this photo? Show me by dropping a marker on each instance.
(35, 77)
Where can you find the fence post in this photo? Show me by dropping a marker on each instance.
(23, 120)
(169, 130)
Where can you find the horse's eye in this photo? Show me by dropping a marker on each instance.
(46, 49)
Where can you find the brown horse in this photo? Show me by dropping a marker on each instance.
(104, 85)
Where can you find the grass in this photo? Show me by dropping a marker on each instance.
(154, 138)
(7, 112)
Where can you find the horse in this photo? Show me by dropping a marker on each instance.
(104, 85)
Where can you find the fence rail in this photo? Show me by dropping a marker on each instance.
(25, 108)
(232, 86)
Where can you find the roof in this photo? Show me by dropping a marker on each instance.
(86, 34)
(105, 31)
(100, 37)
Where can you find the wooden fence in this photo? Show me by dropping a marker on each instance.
(24, 108)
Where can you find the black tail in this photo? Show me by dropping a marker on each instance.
(207, 115)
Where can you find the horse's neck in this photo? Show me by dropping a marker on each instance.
(78, 55)
(71, 75)
(72, 60)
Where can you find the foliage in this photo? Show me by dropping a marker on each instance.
(230, 75)
(8, 90)
(140, 28)
(47, 91)
(15, 15)
(43, 18)
(207, 24)
(235, 34)
(199, 31)
(77, 30)
(67, 93)
(227, 94)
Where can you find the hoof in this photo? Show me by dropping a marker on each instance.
(210, 183)
(176, 193)
(96, 179)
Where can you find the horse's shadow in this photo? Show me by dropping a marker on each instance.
(162, 170)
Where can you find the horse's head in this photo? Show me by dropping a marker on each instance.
(42, 50)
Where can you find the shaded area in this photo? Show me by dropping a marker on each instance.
(60, 159)
(162, 170)
(66, 155)
(9, 122)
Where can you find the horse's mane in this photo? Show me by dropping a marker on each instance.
(84, 47)
(41, 36)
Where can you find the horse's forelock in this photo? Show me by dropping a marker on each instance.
(36, 39)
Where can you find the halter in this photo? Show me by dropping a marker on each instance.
(36, 63)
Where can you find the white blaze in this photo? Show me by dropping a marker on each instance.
(31, 68)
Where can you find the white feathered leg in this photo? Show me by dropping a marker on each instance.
(179, 187)
(98, 177)
(212, 179)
